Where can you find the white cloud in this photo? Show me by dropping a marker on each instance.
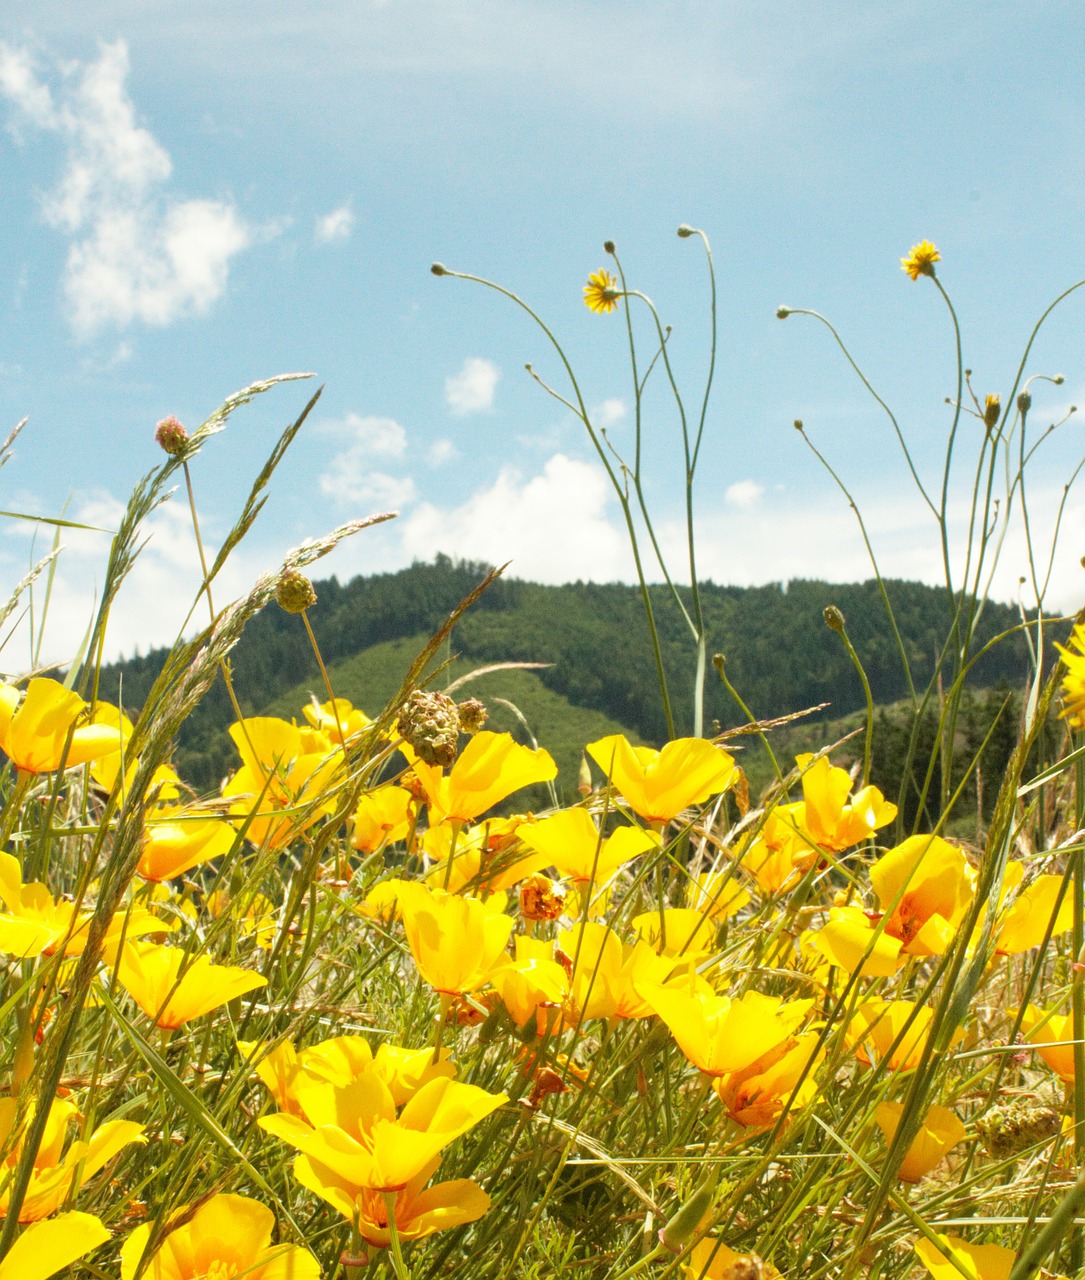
(136, 254)
(554, 527)
(442, 451)
(335, 226)
(349, 478)
(610, 412)
(381, 437)
(472, 389)
(743, 494)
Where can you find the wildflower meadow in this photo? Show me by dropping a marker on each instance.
(366, 1011)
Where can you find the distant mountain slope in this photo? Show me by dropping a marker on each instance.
(780, 655)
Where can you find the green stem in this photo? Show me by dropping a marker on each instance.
(398, 1265)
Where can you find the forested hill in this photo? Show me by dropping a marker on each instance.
(781, 657)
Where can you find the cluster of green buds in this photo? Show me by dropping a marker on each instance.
(1015, 1127)
(431, 723)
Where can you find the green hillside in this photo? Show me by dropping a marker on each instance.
(599, 673)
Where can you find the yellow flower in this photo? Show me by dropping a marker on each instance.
(335, 715)
(718, 1034)
(953, 1258)
(339, 1061)
(921, 259)
(152, 977)
(825, 817)
(1072, 688)
(281, 787)
(418, 1212)
(877, 1031)
(849, 936)
(491, 767)
(659, 784)
(382, 817)
(711, 1259)
(1024, 925)
(601, 293)
(680, 932)
(58, 1174)
(574, 846)
(180, 839)
(755, 1097)
(34, 732)
(226, 1236)
(932, 884)
(456, 942)
(355, 1133)
(939, 1133)
(47, 1247)
(531, 980)
(607, 973)
(716, 894)
(1054, 1040)
(35, 924)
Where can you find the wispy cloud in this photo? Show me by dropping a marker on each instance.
(472, 389)
(349, 478)
(136, 254)
(335, 226)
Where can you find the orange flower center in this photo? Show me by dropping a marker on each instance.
(219, 1270)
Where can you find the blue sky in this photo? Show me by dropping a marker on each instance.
(200, 195)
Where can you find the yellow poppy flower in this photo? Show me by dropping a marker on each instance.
(34, 728)
(181, 838)
(336, 715)
(939, 1133)
(531, 980)
(828, 816)
(601, 292)
(281, 789)
(658, 785)
(491, 767)
(341, 1060)
(49, 1246)
(718, 1034)
(1054, 1040)
(573, 845)
(456, 942)
(680, 932)
(607, 973)
(226, 1236)
(419, 1210)
(755, 1097)
(355, 1133)
(932, 885)
(1072, 688)
(716, 894)
(36, 924)
(711, 1259)
(877, 1024)
(850, 939)
(382, 817)
(58, 1173)
(920, 260)
(953, 1258)
(1024, 925)
(152, 977)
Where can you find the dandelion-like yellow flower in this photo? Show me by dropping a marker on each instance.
(921, 259)
(600, 293)
(1072, 688)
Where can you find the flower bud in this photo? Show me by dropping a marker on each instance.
(797, 424)
(439, 269)
(583, 777)
(295, 592)
(992, 408)
(685, 231)
(683, 1225)
(1016, 1126)
(834, 619)
(171, 436)
(1059, 379)
(1024, 402)
(782, 313)
(608, 246)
